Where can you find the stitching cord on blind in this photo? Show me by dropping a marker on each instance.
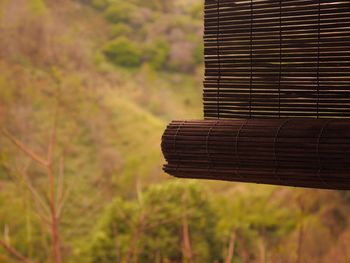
(276, 96)
(320, 164)
(251, 59)
(218, 56)
(318, 56)
(280, 59)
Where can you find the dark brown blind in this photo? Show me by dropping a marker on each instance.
(292, 152)
(276, 96)
(267, 58)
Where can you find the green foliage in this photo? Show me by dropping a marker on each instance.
(196, 11)
(120, 11)
(178, 50)
(256, 218)
(121, 29)
(154, 223)
(157, 54)
(117, 222)
(153, 4)
(37, 7)
(123, 52)
(6, 90)
(198, 54)
(169, 203)
(99, 4)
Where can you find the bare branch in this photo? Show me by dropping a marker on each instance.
(52, 140)
(167, 221)
(55, 222)
(231, 247)
(44, 219)
(36, 196)
(24, 148)
(60, 184)
(62, 201)
(14, 253)
(18, 174)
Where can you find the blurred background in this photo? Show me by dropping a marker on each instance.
(86, 89)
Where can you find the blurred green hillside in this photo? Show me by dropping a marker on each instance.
(91, 85)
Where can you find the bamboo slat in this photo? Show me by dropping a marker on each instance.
(297, 50)
(294, 151)
(276, 96)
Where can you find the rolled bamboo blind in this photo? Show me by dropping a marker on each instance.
(276, 96)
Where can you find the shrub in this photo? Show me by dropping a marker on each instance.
(123, 52)
(157, 54)
(198, 54)
(37, 7)
(99, 4)
(196, 11)
(119, 12)
(162, 212)
(121, 30)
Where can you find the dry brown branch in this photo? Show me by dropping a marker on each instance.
(55, 221)
(25, 149)
(167, 221)
(60, 182)
(186, 239)
(43, 209)
(53, 213)
(40, 206)
(14, 253)
(132, 252)
(52, 141)
(301, 205)
(63, 201)
(231, 247)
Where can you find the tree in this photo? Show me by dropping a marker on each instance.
(49, 211)
(172, 222)
(119, 12)
(252, 221)
(157, 54)
(123, 52)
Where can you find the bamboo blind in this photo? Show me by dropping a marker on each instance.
(287, 58)
(276, 96)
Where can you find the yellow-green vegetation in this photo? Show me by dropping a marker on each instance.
(86, 90)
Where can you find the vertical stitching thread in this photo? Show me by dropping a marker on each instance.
(251, 58)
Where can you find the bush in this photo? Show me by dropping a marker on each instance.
(157, 54)
(37, 7)
(99, 4)
(123, 52)
(162, 210)
(121, 30)
(198, 54)
(196, 11)
(119, 12)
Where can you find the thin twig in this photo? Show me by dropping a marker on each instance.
(17, 174)
(167, 221)
(63, 200)
(25, 149)
(52, 141)
(60, 183)
(36, 196)
(13, 252)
